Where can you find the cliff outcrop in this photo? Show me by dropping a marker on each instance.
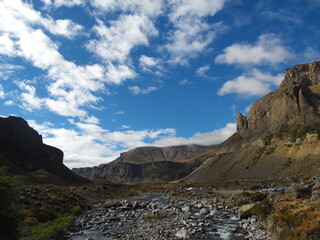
(274, 139)
(22, 149)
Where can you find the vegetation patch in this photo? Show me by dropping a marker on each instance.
(262, 209)
(259, 153)
(296, 220)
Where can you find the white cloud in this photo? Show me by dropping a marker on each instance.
(116, 42)
(135, 90)
(7, 45)
(268, 50)
(63, 27)
(2, 94)
(206, 139)
(119, 113)
(199, 8)
(192, 34)
(9, 103)
(68, 3)
(151, 65)
(18, 16)
(6, 70)
(151, 8)
(71, 87)
(117, 74)
(253, 83)
(148, 61)
(28, 97)
(90, 145)
(202, 70)
(310, 54)
(185, 82)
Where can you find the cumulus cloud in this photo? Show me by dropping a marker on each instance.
(116, 74)
(206, 139)
(29, 99)
(135, 90)
(252, 83)
(116, 42)
(90, 145)
(192, 34)
(72, 86)
(7, 45)
(268, 50)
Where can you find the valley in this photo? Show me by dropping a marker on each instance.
(261, 183)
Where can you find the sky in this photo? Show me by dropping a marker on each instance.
(99, 77)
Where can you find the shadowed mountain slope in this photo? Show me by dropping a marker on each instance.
(148, 164)
(22, 149)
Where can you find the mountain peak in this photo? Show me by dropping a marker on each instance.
(304, 75)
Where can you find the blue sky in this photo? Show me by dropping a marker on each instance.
(100, 77)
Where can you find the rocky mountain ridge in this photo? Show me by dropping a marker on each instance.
(148, 164)
(22, 149)
(279, 137)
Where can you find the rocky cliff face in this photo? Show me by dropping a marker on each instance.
(22, 149)
(148, 164)
(272, 141)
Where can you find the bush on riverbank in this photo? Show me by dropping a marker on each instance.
(9, 216)
(296, 220)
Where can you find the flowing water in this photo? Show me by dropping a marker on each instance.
(157, 217)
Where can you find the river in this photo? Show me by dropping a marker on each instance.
(153, 216)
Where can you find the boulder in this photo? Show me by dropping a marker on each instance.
(245, 211)
(182, 234)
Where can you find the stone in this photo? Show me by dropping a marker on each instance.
(182, 234)
(245, 211)
(315, 197)
(185, 209)
(203, 211)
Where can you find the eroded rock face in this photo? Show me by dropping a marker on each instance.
(278, 138)
(21, 147)
(297, 101)
(242, 122)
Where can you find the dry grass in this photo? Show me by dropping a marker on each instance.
(295, 220)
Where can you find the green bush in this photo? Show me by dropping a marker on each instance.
(9, 216)
(262, 209)
(257, 196)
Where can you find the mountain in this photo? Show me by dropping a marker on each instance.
(22, 150)
(279, 137)
(148, 164)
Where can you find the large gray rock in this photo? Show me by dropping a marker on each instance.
(183, 234)
(245, 211)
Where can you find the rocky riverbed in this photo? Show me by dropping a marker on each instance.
(160, 216)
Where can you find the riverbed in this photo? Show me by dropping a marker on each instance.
(152, 216)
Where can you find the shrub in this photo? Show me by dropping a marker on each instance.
(9, 217)
(262, 209)
(257, 196)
